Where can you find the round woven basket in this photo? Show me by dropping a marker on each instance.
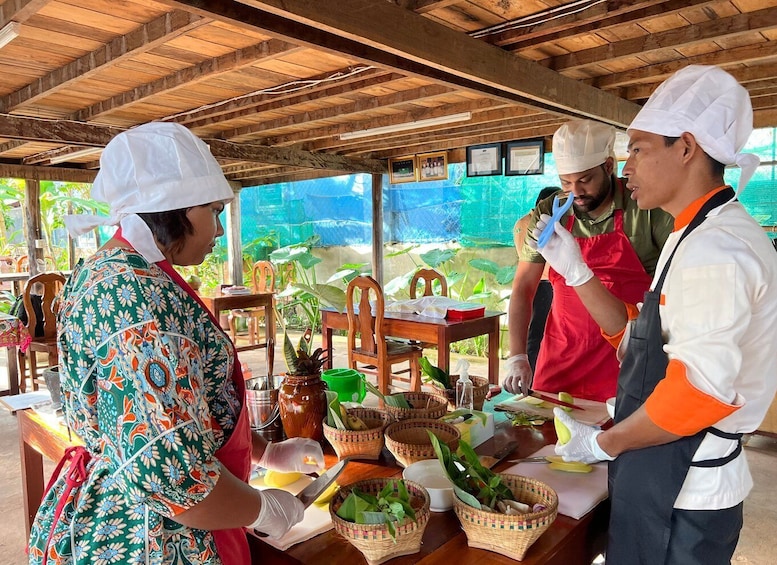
(360, 444)
(408, 440)
(479, 392)
(425, 405)
(510, 535)
(373, 540)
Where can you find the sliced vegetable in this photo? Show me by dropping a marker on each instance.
(276, 479)
(563, 433)
(568, 398)
(571, 467)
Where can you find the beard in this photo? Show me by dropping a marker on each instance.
(589, 203)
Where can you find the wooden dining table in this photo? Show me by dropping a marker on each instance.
(438, 331)
(566, 542)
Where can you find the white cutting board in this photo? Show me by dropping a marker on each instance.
(316, 520)
(594, 413)
(578, 493)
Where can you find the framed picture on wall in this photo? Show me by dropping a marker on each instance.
(484, 160)
(402, 169)
(526, 157)
(432, 166)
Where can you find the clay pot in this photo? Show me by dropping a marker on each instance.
(302, 403)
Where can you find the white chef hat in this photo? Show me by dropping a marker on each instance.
(580, 145)
(709, 103)
(155, 167)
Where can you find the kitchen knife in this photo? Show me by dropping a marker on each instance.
(552, 400)
(311, 492)
(502, 453)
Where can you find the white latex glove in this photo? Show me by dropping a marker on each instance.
(562, 253)
(583, 445)
(280, 511)
(519, 374)
(297, 454)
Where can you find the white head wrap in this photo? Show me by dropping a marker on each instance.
(155, 167)
(581, 145)
(709, 103)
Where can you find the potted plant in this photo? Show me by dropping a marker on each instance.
(302, 396)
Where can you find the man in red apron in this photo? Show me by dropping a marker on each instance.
(698, 357)
(619, 242)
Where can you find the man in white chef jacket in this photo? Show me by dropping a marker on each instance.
(698, 365)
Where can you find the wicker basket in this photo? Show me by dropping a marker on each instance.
(408, 440)
(425, 405)
(360, 444)
(510, 535)
(479, 391)
(373, 540)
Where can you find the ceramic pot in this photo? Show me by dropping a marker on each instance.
(302, 403)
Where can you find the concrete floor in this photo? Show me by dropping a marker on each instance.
(756, 544)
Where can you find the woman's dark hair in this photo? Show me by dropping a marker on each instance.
(170, 228)
(718, 168)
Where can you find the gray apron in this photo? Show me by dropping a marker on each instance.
(645, 483)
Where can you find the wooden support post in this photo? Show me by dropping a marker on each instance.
(32, 229)
(234, 242)
(377, 228)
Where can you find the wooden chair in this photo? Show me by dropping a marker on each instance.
(262, 280)
(366, 342)
(47, 286)
(427, 277)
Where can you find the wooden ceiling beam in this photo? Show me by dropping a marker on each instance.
(252, 105)
(10, 145)
(90, 135)
(653, 74)
(19, 10)
(191, 75)
(141, 39)
(358, 28)
(339, 111)
(61, 174)
(597, 18)
(686, 36)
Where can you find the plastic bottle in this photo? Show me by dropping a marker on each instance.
(463, 386)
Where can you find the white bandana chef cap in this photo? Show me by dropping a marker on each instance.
(581, 145)
(155, 167)
(709, 103)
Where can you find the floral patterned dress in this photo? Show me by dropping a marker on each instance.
(146, 379)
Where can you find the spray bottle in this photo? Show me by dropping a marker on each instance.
(463, 386)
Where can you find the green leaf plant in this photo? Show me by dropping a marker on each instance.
(392, 505)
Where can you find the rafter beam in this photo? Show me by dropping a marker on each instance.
(686, 36)
(142, 39)
(189, 76)
(72, 133)
(62, 174)
(20, 10)
(357, 28)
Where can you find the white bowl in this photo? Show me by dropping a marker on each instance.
(610, 403)
(430, 475)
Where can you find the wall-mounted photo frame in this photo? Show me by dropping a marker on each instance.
(402, 169)
(484, 160)
(432, 166)
(525, 157)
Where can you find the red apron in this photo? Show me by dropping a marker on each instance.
(235, 455)
(574, 357)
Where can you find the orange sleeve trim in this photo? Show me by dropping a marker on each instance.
(678, 407)
(631, 314)
(684, 218)
(662, 299)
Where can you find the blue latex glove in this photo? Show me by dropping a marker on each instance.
(582, 446)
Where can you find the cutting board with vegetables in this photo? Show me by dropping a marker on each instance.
(316, 521)
(578, 493)
(594, 413)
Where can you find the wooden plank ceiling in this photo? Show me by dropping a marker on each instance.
(272, 85)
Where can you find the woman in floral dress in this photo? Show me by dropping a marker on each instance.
(151, 384)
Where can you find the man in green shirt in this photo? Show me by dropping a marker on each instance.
(621, 244)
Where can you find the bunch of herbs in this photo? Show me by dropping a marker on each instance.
(391, 505)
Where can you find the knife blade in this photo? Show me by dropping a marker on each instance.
(311, 492)
(552, 400)
(537, 459)
(503, 453)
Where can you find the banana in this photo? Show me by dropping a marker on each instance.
(352, 422)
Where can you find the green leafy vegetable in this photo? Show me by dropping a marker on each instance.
(396, 400)
(435, 374)
(391, 505)
(473, 483)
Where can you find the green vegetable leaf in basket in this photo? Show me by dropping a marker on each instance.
(435, 374)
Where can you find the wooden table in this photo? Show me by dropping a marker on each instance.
(566, 542)
(439, 331)
(219, 302)
(13, 334)
(39, 436)
(18, 280)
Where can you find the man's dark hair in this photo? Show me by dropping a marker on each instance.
(718, 168)
(170, 228)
